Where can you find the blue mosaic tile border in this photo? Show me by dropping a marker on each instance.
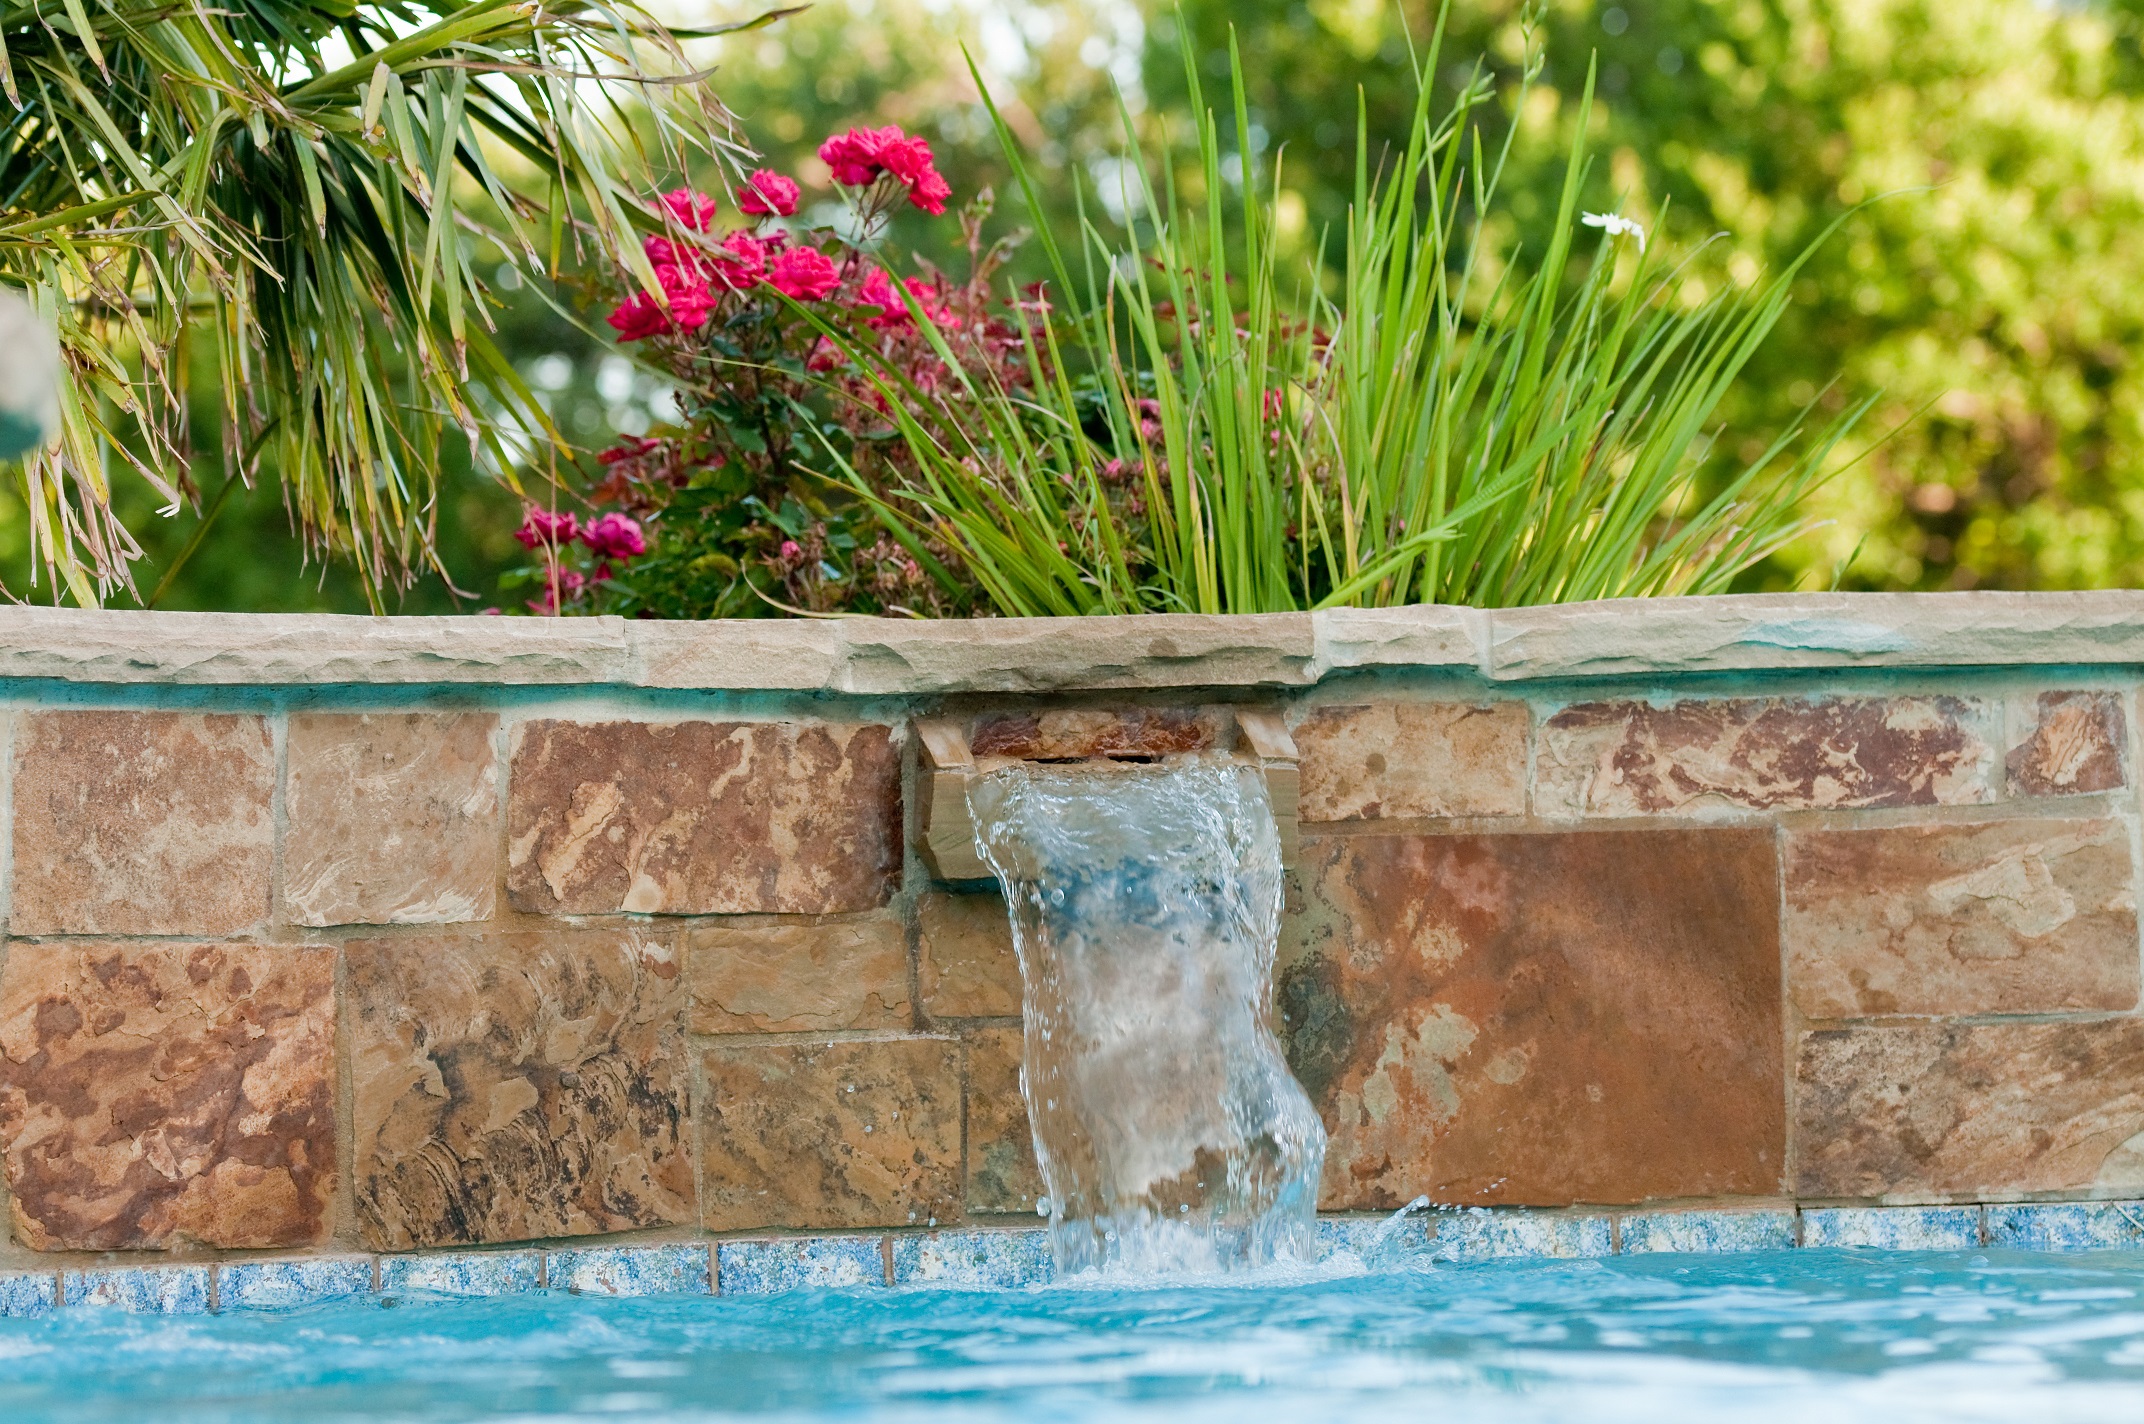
(986, 1258)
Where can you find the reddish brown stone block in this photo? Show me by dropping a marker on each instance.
(791, 978)
(164, 1095)
(392, 818)
(1002, 1174)
(1073, 733)
(1396, 760)
(1989, 1110)
(2075, 742)
(965, 957)
(1634, 758)
(703, 818)
(2006, 917)
(517, 1086)
(822, 1135)
(153, 823)
(1590, 1017)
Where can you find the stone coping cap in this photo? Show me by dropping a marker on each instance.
(883, 656)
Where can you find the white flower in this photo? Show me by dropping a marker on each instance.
(1616, 226)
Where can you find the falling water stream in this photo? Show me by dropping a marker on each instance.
(1145, 903)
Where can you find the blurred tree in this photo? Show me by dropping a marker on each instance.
(1997, 294)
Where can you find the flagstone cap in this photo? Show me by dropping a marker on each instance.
(895, 657)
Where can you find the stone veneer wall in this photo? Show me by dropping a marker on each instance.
(333, 934)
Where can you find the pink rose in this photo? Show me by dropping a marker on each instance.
(768, 194)
(638, 317)
(632, 447)
(907, 159)
(692, 210)
(877, 291)
(542, 526)
(857, 157)
(930, 191)
(614, 536)
(805, 274)
(745, 263)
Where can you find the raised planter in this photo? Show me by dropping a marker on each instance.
(343, 935)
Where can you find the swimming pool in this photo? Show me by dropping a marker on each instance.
(1787, 1335)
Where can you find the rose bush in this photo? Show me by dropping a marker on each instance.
(733, 512)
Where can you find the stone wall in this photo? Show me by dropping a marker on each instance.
(380, 935)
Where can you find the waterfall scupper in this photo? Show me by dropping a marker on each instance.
(1145, 902)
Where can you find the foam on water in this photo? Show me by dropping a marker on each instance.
(1145, 905)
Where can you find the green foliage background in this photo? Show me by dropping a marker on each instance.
(1996, 297)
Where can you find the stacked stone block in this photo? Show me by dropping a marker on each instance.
(462, 968)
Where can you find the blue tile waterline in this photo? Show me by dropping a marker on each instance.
(681, 1269)
(464, 1272)
(27, 1293)
(245, 1285)
(142, 1290)
(1893, 1228)
(1016, 1258)
(1699, 1233)
(800, 1263)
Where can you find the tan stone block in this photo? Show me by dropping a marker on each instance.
(892, 656)
(2070, 743)
(1396, 760)
(392, 818)
(1987, 1110)
(790, 978)
(825, 1135)
(161, 1095)
(1002, 1173)
(154, 823)
(1636, 758)
(2005, 917)
(964, 957)
(1546, 1019)
(516, 1086)
(703, 818)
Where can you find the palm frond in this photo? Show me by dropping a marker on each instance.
(309, 186)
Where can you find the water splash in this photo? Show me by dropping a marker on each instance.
(1145, 905)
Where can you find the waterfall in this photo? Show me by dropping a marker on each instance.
(1145, 905)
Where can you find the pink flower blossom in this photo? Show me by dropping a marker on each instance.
(614, 536)
(632, 447)
(691, 209)
(930, 192)
(878, 291)
(543, 526)
(768, 194)
(638, 317)
(791, 551)
(678, 268)
(805, 274)
(825, 356)
(745, 264)
(563, 584)
(857, 157)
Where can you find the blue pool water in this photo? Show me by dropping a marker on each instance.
(1832, 1336)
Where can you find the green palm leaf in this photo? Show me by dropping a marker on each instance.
(307, 186)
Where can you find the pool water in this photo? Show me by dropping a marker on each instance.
(1832, 1336)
